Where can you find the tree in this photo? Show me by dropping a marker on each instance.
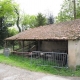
(40, 20)
(50, 19)
(28, 21)
(18, 18)
(12, 31)
(67, 11)
(31, 21)
(7, 17)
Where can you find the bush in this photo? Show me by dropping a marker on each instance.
(12, 32)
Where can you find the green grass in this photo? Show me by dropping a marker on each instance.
(18, 61)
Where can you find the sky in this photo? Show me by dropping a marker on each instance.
(33, 7)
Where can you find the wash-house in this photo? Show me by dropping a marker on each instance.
(61, 37)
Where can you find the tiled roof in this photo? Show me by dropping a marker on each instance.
(64, 30)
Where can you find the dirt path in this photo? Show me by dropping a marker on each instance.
(12, 73)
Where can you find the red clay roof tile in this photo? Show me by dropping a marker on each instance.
(64, 30)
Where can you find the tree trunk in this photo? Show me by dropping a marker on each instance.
(18, 23)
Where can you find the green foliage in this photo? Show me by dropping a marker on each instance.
(3, 34)
(7, 17)
(40, 20)
(28, 21)
(7, 10)
(5, 7)
(12, 32)
(67, 11)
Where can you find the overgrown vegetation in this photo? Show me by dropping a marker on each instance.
(12, 32)
(7, 18)
(67, 11)
(20, 61)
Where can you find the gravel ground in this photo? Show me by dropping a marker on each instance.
(13, 73)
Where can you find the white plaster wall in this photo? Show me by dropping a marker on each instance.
(78, 52)
(73, 53)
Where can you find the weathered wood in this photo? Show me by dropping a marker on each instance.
(21, 53)
(13, 45)
(23, 45)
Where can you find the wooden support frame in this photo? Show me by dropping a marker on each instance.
(23, 45)
(13, 45)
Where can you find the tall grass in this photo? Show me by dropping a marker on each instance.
(25, 63)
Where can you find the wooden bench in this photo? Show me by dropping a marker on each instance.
(22, 53)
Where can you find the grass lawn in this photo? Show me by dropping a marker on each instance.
(18, 61)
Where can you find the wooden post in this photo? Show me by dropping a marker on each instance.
(23, 47)
(36, 45)
(29, 46)
(13, 45)
(39, 45)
